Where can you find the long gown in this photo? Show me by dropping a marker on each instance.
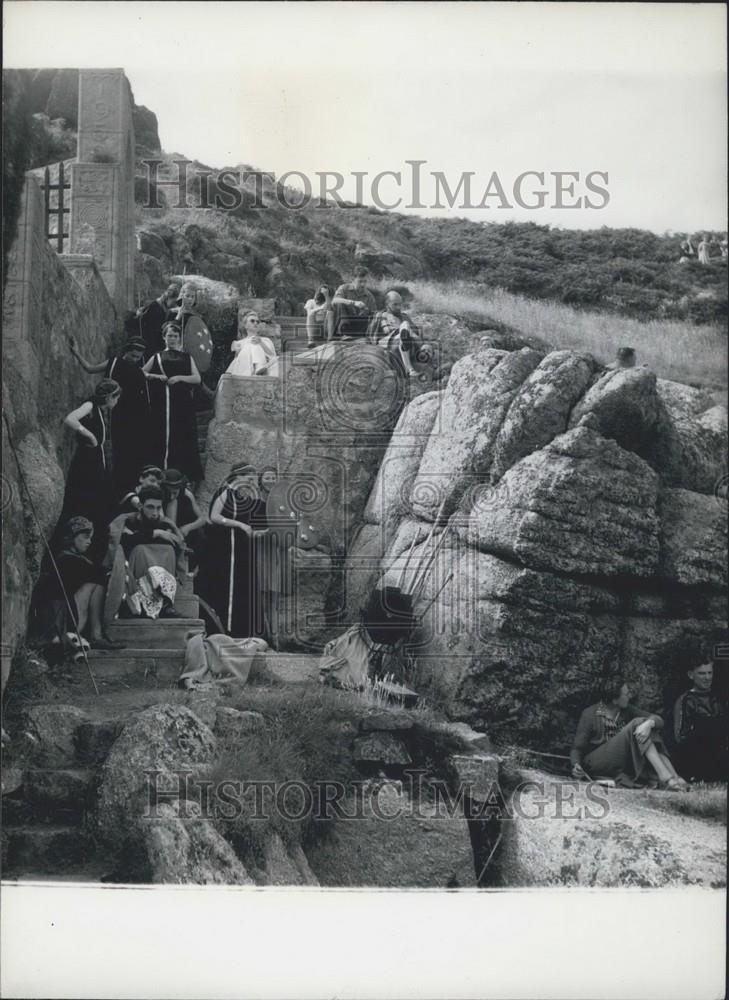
(174, 425)
(130, 423)
(230, 575)
(89, 485)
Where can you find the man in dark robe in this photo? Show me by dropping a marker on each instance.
(152, 317)
(146, 559)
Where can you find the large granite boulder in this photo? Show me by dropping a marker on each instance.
(693, 538)
(541, 408)
(582, 505)
(182, 847)
(155, 748)
(689, 450)
(51, 733)
(460, 449)
(389, 500)
(572, 834)
(625, 404)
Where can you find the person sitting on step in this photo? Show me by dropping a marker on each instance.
(150, 475)
(614, 739)
(146, 558)
(353, 305)
(71, 593)
(700, 729)
(394, 331)
(319, 316)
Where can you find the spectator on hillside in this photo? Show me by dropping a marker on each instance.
(723, 249)
(687, 251)
(152, 317)
(394, 330)
(705, 250)
(353, 305)
(319, 316)
(700, 729)
(625, 357)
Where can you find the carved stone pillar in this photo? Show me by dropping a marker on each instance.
(102, 181)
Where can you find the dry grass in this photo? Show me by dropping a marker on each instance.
(673, 349)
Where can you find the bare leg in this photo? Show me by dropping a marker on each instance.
(96, 611)
(311, 330)
(656, 760)
(329, 324)
(82, 598)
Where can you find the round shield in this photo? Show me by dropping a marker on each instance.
(197, 342)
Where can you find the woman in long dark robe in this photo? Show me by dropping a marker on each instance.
(172, 374)
(90, 486)
(130, 420)
(229, 580)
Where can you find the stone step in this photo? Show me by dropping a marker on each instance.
(50, 848)
(163, 633)
(187, 605)
(163, 666)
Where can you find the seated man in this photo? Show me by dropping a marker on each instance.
(151, 475)
(700, 729)
(394, 330)
(353, 307)
(146, 556)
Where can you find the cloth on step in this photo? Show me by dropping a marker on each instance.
(345, 661)
(219, 656)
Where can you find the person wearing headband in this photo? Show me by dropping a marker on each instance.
(152, 317)
(181, 507)
(130, 420)
(229, 575)
(149, 475)
(172, 375)
(89, 486)
(146, 560)
(72, 590)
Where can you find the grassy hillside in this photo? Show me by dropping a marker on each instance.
(593, 289)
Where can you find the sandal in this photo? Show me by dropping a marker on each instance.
(674, 785)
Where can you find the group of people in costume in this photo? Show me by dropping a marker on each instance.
(632, 746)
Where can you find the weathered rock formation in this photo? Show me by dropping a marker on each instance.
(571, 556)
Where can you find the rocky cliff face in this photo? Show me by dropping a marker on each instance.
(586, 536)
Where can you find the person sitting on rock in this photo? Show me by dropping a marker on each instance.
(625, 357)
(72, 592)
(700, 729)
(146, 558)
(687, 250)
(181, 507)
(394, 330)
(254, 354)
(614, 739)
(353, 305)
(319, 316)
(152, 318)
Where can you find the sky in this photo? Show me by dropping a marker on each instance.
(633, 91)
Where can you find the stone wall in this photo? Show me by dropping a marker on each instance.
(324, 425)
(47, 298)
